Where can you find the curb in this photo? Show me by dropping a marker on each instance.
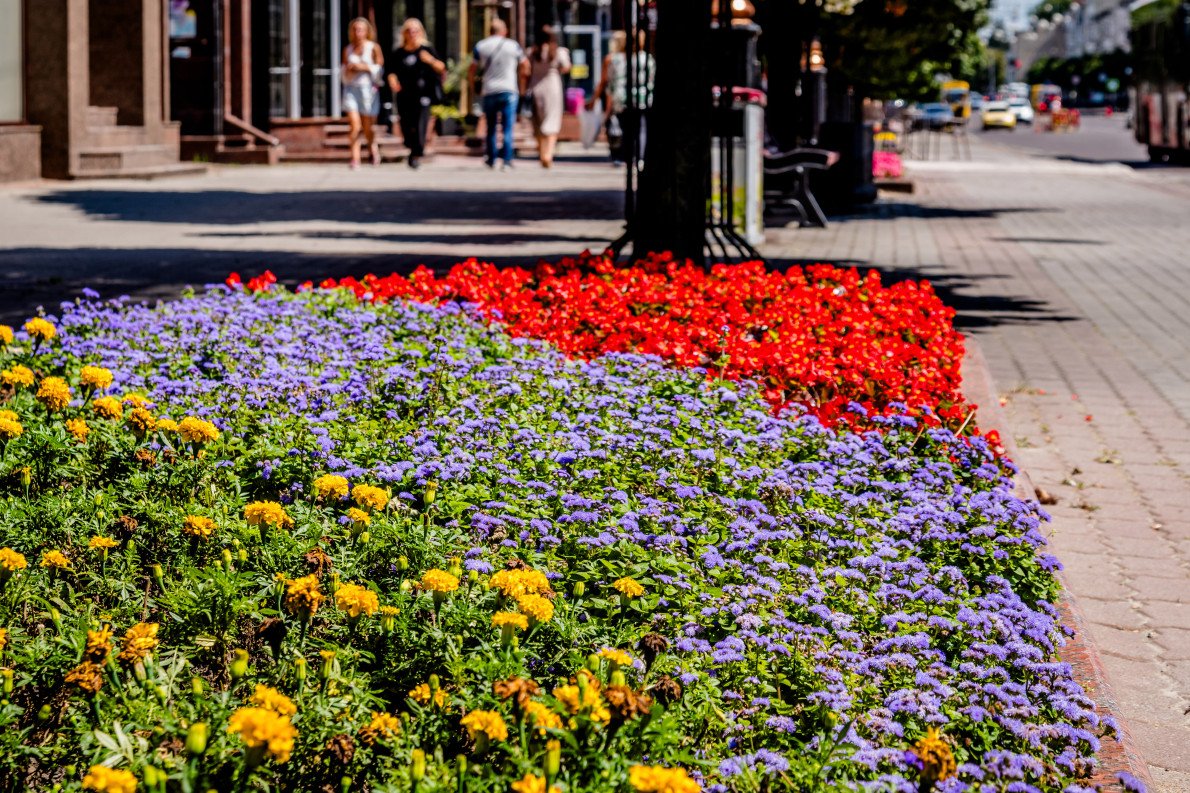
(1078, 651)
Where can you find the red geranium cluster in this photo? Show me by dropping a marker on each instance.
(820, 336)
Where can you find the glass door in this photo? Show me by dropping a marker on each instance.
(12, 67)
(305, 46)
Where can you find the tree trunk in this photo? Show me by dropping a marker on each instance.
(671, 204)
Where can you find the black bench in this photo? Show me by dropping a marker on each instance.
(787, 182)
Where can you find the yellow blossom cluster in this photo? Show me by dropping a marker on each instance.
(3, 638)
(139, 642)
(937, 759)
(136, 400)
(618, 657)
(436, 580)
(101, 543)
(271, 699)
(658, 779)
(371, 497)
(584, 699)
(99, 645)
(502, 618)
(95, 377)
(79, 429)
(485, 722)
(88, 676)
(358, 516)
(514, 583)
(331, 486)
(628, 587)
(382, 727)
(541, 717)
(261, 728)
(54, 560)
(531, 783)
(421, 694)
(141, 421)
(167, 425)
(268, 513)
(536, 607)
(17, 375)
(356, 600)
(195, 430)
(6, 335)
(10, 428)
(108, 407)
(102, 779)
(198, 526)
(303, 596)
(41, 329)
(54, 394)
(11, 561)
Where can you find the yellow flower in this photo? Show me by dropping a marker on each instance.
(10, 429)
(109, 780)
(303, 596)
(514, 583)
(359, 516)
(536, 606)
(139, 642)
(936, 757)
(11, 415)
(101, 543)
(584, 699)
(95, 377)
(88, 676)
(136, 400)
(39, 328)
(436, 580)
(196, 430)
(141, 421)
(198, 526)
(502, 618)
(3, 638)
(268, 513)
(11, 561)
(421, 695)
(618, 657)
(628, 587)
(6, 336)
(381, 727)
(54, 560)
(17, 375)
(369, 496)
(541, 717)
(108, 407)
(531, 783)
(99, 645)
(53, 393)
(657, 779)
(329, 485)
(356, 600)
(167, 425)
(272, 699)
(485, 722)
(79, 429)
(260, 728)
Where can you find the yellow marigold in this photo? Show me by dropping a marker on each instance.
(485, 722)
(54, 560)
(11, 561)
(536, 606)
(389, 611)
(3, 638)
(272, 699)
(502, 618)
(584, 699)
(11, 415)
(99, 645)
(95, 377)
(17, 375)
(369, 496)
(79, 429)
(436, 580)
(40, 328)
(261, 728)
(136, 400)
(359, 516)
(142, 421)
(541, 717)
(356, 600)
(109, 780)
(167, 425)
(88, 676)
(269, 513)
(382, 727)
(514, 583)
(530, 783)
(329, 485)
(198, 526)
(618, 657)
(10, 429)
(101, 543)
(657, 779)
(303, 596)
(195, 430)
(108, 407)
(6, 336)
(628, 587)
(139, 642)
(421, 695)
(937, 759)
(53, 393)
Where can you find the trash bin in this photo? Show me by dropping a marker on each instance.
(743, 122)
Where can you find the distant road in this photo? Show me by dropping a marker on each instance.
(1099, 139)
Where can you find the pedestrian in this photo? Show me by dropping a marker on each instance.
(363, 65)
(547, 64)
(624, 121)
(497, 61)
(415, 78)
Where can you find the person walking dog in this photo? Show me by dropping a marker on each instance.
(497, 61)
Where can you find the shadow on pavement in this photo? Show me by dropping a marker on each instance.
(891, 210)
(441, 237)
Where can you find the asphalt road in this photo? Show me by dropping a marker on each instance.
(1098, 139)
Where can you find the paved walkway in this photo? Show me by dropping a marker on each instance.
(1074, 277)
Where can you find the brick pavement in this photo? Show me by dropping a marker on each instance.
(1071, 276)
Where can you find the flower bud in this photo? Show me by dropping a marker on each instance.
(365, 537)
(418, 772)
(553, 759)
(45, 713)
(328, 664)
(431, 493)
(150, 774)
(580, 589)
(158, 575)
(196, 686)
(402, 563)
(593, 663)
(196, 737)
(6, 674)
(56, 617)
(239, 664)
(162, 693)
(472, 576)
(226, 560)
(461, 763)
(618, 678)
(26, 476)
(345, 784)
(435, 685)
(299, 669)
(406, 587)
(242, 555)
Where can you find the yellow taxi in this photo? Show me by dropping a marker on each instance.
(998, 115)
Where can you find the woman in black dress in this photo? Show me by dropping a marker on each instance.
(415, 78)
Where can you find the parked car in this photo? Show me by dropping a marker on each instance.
(933, 115)
(998, 115)
(1021, 109)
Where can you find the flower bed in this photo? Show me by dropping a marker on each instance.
(820, 336)
(304, 543)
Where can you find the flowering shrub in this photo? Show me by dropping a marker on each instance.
(820, 336)
(433, 557)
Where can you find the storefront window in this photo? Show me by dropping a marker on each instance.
(12, 82)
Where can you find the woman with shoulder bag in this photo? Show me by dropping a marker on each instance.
(547, 64)
(416, 82)
(363, 63)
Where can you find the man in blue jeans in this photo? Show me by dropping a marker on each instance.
(497, 59)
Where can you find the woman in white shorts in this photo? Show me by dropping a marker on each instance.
(363, 64)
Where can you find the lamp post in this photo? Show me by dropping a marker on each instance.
(816, 66)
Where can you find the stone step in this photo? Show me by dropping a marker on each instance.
(110, 137)
(148, 172)
(101, 116)
(103, 160)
